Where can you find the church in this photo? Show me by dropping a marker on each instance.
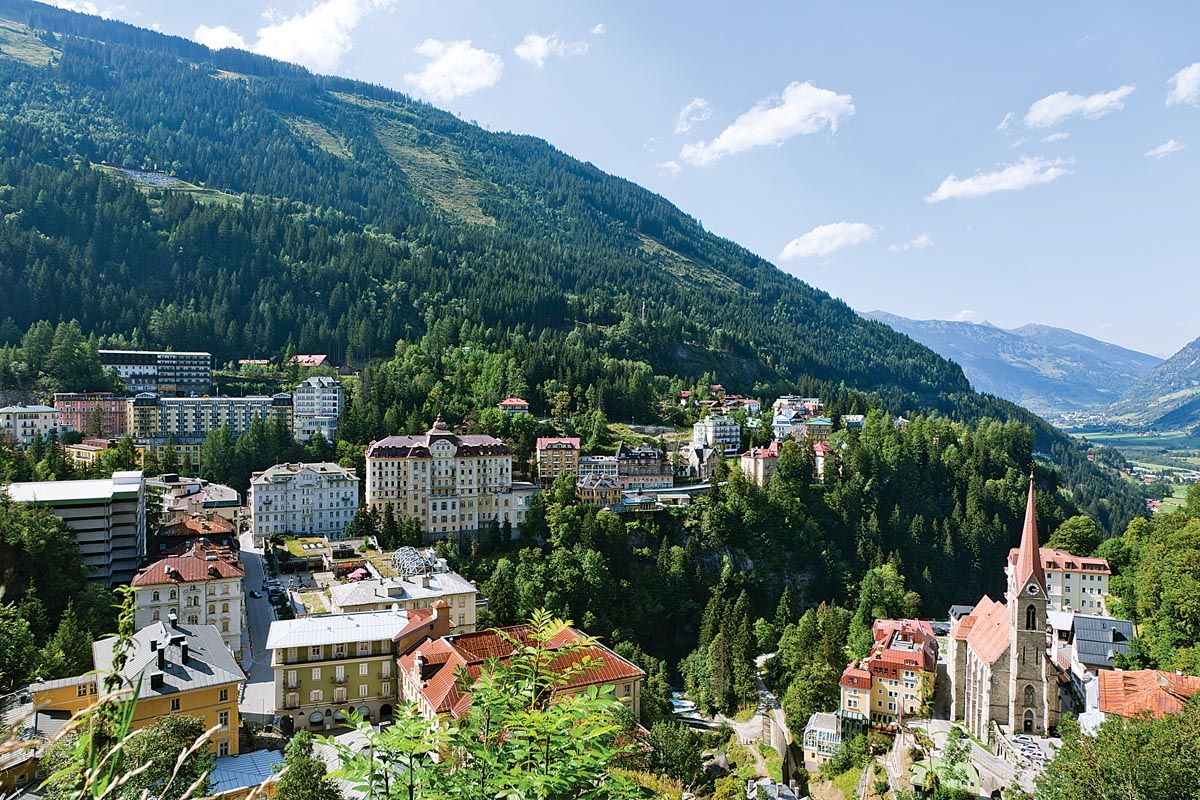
(998, 664)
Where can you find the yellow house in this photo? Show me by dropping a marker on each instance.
(182, 669)
(897, 678)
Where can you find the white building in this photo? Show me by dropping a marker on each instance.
(316, 404)
(1073, 583)
(318, 499)
(719, 432)
(202, 586)
(419, 590)
(598, 467)
(21, 423)
(160, 371)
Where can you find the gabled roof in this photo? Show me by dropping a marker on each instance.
(1062, 561)
(514, 402)
(365, 626)
(1099, 639)
(1029, 557)
(208, 662)
(561, 442)
(1145, 691)
(988, 637)
(204, 561)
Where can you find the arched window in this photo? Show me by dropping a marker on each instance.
(1030, 618)
(1029, 696)
(173, 594)
(224, 608)
(156, 596)
(225, 626)
(212, 608)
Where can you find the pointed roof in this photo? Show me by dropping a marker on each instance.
(1029, 556)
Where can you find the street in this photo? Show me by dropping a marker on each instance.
(258, 699)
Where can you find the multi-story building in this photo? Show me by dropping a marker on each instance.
(201, 586)
(817, 429)
(556, 455)
(154, 419)
(325, 664)
(598, 466)
(177, 534)
(822, 739)
(21, 424)
(316, 404)
(641, 467)
(408, 592)
(161, 372)
(808, 406)
(1073, 583)
(449, 483)
(718, 432)
(758, 463)
(107, 517)
(853, 422)
(514, 405)
(179, 669)
(429, 672)
(598, 490)
(318, 499)
(180, 495)
(896, 680)
(94, 413)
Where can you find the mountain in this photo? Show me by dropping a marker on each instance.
(1168, 397)
(162, 193)
(1047, 370)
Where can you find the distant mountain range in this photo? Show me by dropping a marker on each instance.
(1048, 370)
(1168, 396)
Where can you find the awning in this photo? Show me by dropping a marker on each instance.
(364, 712)
(316, 717)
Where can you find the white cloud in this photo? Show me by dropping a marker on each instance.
(1053, 109)
(87, 7)
(1006, 123)
(671, 167)
(921, 242)
(316, 38)
(965, 315)
(825, 239)
(801, 109)
(1056, 137)
(1021, 174)
(599, 30)
(455, 69)
(694, 112)
(1185, 86)
(536, 49)
(1165, 149)
(1017, 143)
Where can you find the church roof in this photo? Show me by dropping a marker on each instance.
(1029, 556)
(988, 638)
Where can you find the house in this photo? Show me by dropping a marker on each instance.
(429, 672)
(556, 455)
(328, 664)
(21, 424)
(703, 460)
(1075, 583)
(719, 432)
(736, 402)
(818, 429)
(513, 405)
(179, 496)
(1133, 693)
(788, 423)
(178, 669)
(311, 360)
(758, 463)
(598, 490)
(200, 586)
(822, 739)
(896, 679)
(180, 530)
(821, 452)
(642, 467)
(317, 402)
(319, 499)
(97, 413)
(853, 422)
(162, 372)
(1083, 645)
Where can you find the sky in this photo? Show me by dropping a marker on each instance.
(1012, 163)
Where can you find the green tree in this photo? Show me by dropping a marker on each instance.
(1079, 535)
(676, 751)
(304, 775)
(814, 689)
(16, 649)
(68, 652)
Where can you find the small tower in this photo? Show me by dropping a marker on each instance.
(1032, 684)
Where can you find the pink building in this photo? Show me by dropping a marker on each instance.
(77, 409)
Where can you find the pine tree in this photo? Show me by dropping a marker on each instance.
(304, 775)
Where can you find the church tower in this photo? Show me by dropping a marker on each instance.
(1032, 682)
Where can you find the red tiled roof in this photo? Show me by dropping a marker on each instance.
(310, 360)
(1062, 561)
(513, 401)
(197, 525)
(989, 633)
(892, 651)
(546, 441)
(1145, 691)
(1029, 559)
(855, 677)
(203, 562)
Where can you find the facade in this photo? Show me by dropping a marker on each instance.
(896, 680)
(181, 495)
(21, 424)
(702, 460)
(87, 411)
(598, 490)
(181, 669)
(599, 466)
(1074, 584)
(411, 592)
(642, 467)
(318, 499)
(1083, 646)
(998, 657)
(808, 406)
(153, 419)
(513, 405)
(788, 424)
(201, 586)
(449, 483)
(317, 403)
(853, 422)
(822, 739)
(556, 455)
(719, 432)
(106, 516)
(758, 463)
(817, 429)
(327, 664)
(161, 372)
(429, 672)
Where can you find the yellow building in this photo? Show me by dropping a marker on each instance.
(598, 491)
(181, 669)
(896, 680)
(556, 455)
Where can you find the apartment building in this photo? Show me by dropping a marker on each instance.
(153, 419)
(598, 466)
(317, 403)
(449, 483)
(200, 586)
(556, 455)
(408, 592)
(598, 490)
(896, 680)
(318, 498)
(161, 372)
(95, 413)
(758, 463)
(1073, 583)
(179, 669)
(720, 432)
(327, 664)
(21, 424)
(642, 467)
(107, 517)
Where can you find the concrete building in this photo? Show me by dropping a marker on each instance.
(449, 483)
(161, 372)
(152, 419)
(95, 413)
(817, 429)
(598, 466)
(411, 592)
(21, 424)
(896, 680)
(181, 495)
(201, 586)
(1074, 583)
(107, 517)
(329, 663)
(317, 403)
(556, 455)
(719, 432)
(306, 499)
(640, 467)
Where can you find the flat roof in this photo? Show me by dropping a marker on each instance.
(120, 485)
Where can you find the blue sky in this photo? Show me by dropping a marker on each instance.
(858, 146)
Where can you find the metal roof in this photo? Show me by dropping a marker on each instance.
(366, 626)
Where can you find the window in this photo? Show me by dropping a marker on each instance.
(316, 673)
(314, 651)
(385, 689)
(291, 679)
(223, 696)
(224, 626)
(316, 696)
(223, 719)
(224, 608)
(156, 597)
(222, 749)
(363, 690)
(156, 615)
(1030, 618)
(81, 690)
(1028, 696)
(173, 595)
(363, 669)
(174, 703)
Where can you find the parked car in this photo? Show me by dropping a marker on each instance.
(256, 595)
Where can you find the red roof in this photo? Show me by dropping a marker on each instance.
(514, 402)
(196, 525)
(1029, 559)
(902, 645)
(820, 448)
(203, 562)
(855, 677)
(310, 360)
(988, 636)
(1062, 561)
(546, 441)
(1145, 691)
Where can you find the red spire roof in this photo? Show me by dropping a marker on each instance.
(1029, 556)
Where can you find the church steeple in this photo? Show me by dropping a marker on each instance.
(1029, 557)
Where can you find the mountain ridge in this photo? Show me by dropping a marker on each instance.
(1167, 397)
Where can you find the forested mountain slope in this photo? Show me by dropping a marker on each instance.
(1169, 397)
(167, 195)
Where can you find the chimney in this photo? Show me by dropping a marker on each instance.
(425, 581)
(162, 659)
(173, 618)
(156, 679)
(183, 650)
(154, 645)
(441, 619)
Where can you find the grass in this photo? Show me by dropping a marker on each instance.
(745, 713)
(1129, 440)
(383, 563)
(847, 782)
(176, 186)
(320, 136)
(20, 44)
(774, 761)
(741, 761)
(313, 603)
(294, 546)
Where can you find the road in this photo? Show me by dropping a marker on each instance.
(258, 698)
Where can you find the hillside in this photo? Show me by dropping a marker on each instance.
(1169, 396)
(1045, 369)
(167, 195)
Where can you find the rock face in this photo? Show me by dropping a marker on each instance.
(1048, 370)
(1167, 397)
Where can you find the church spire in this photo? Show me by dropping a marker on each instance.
(1029, 557)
